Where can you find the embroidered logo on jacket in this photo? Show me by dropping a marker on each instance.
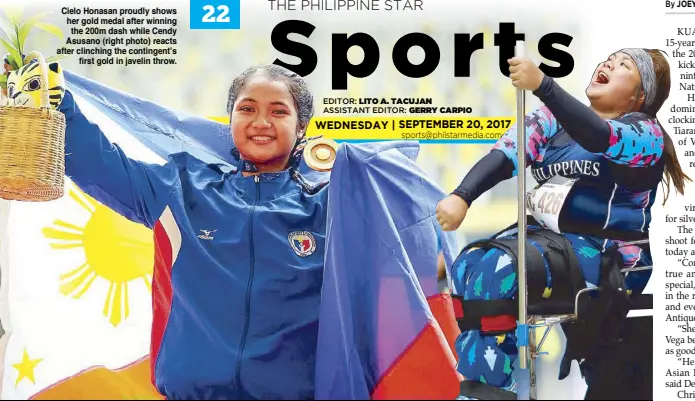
(302, 242)
(206, 234)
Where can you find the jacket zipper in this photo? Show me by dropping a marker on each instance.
(248, 288)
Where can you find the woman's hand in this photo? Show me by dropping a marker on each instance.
(451, 211)
(524, 73)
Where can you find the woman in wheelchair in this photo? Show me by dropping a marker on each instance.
(598, 169)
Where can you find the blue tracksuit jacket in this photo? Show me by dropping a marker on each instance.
(238, 267)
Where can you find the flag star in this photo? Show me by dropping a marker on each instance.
(25, 368)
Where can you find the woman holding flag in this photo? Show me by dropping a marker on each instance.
(244, 268)
(598, 170)
(228, 314)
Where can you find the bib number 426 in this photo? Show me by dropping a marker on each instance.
(545, 202)
(551, 202)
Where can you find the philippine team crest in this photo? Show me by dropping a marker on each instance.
(302, 242)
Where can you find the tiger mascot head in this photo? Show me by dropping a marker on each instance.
(24, 85)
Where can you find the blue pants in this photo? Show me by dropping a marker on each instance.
(489, 275)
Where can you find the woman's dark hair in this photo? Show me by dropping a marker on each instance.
(297, 86)
(673, 172)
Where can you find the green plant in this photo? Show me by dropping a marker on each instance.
(17, 32)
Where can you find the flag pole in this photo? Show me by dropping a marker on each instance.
(522, 331)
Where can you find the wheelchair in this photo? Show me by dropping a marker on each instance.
(608, 329)
(626, 374)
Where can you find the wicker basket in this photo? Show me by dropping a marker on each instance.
(32, 148)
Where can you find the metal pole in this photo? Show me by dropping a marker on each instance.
(522, 334)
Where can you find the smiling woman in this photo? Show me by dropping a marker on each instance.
(269, 110)
(232, 244)
(241, 247)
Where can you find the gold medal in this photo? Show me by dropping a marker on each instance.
(320, 154)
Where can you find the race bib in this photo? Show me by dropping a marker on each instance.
(545, 201)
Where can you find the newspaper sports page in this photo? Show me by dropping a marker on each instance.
(347, 199)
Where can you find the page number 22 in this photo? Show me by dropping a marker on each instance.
(210, 14)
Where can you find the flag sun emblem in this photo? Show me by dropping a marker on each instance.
(115, 250)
